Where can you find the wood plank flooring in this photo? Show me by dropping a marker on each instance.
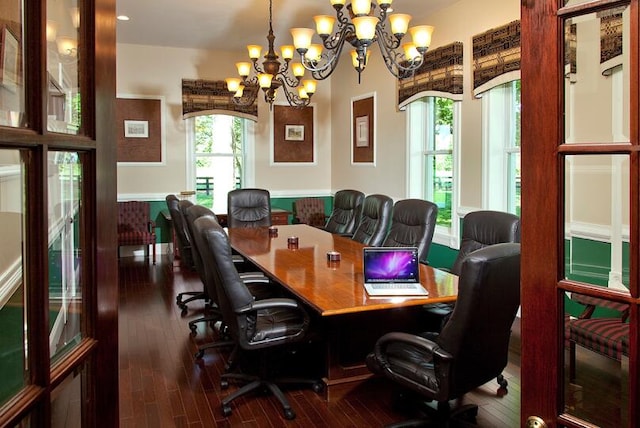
(163, 385)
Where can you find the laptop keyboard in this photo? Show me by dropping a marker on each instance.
(393, 286)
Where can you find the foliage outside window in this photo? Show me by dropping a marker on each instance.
(219, 160)
(431, 140)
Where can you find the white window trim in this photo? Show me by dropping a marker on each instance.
(415, 188)
(495, 157)
(248, 153)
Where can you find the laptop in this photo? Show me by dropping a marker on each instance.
(392, 271)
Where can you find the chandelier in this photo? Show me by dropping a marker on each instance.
(361, 29)
(271, 75)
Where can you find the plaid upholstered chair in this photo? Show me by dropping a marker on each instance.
(608, 336)
(309, 211)
(135, 226)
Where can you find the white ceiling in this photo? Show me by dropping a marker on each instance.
(209, 24)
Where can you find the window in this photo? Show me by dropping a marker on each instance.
(433, 139)
(218, 158)
(501, 147)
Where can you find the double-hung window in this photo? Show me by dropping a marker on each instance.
(501, 147)
(218, 160)
(433, 139)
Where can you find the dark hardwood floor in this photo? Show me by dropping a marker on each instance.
(163, 385)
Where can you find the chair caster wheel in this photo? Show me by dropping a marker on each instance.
(199, 354)
(226, 410)
(289, 414)
(502, 382)
(224, 384)
(317, 387)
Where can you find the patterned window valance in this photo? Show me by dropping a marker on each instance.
(496, 57)
(610, 41)
(441, 72)
(211, 96)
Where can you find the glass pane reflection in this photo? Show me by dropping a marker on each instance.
(63, 104)
(65, 297)
(597, 234)
(597, 77)
(12, 104)
(595, 385)
(13, 367)
(66, 402)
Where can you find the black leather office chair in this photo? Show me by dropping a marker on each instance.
(182, 235)
(248, 208)
(472, 348)
(179, 217)
(479, 229)
(254, 325)
(347, 206)
(412, 225)
(205, 268)
(374, 220)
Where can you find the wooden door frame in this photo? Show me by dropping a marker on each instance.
(540, 132)
(542, 272)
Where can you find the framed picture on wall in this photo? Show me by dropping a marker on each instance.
(294, 132)
(140, 122)
(293, 135)
(363, 110)
(136, 129)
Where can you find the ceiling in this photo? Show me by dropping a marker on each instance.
(231, 25)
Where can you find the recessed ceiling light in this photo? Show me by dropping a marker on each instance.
(122, 18)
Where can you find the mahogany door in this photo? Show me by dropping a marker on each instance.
(580, 189)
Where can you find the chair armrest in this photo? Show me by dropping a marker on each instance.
(257, 305)
(255, 280)
(413, 340)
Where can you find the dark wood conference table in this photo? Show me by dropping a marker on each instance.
(348, 317)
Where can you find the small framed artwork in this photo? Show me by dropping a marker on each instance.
(294, 132)
(362, 131)
(292, 135)
(136, 129)
(363, 137)
(140, 123)
(9, 55)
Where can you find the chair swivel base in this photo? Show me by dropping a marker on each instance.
(463, 416)
(193, 295)
(271, 385)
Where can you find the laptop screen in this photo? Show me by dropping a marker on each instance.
(391, 265)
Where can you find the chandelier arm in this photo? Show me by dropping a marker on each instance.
(248, 97)
(328, 60)
(291, 82)
(390, 41)
(395, 62)
(346, 31)
(293, 99)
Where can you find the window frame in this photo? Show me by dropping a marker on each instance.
(498, 150)
(418, 131)
(248, 150)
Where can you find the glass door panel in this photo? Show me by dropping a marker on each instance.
(66, 401)
(13, 351)
(597, 77)
(596, 362)
(597, 210)
(63, 42)
(12, 104)
(65, 294)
